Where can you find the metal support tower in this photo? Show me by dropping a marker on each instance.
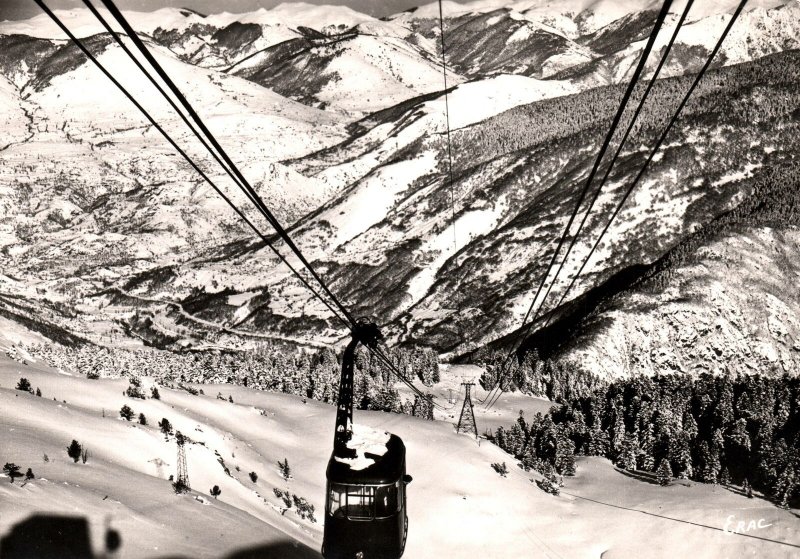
(183, 472)
(467, 419)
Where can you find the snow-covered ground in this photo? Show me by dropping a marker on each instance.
(458, 505)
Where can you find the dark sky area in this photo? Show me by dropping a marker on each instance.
(23, 9)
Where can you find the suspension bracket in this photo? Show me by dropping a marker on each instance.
(367, 333)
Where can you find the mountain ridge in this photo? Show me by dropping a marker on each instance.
(363, 187)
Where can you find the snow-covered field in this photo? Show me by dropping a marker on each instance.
(458, 505)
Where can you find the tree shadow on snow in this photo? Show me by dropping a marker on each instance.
(639, 476)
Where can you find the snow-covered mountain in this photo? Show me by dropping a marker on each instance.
(599, 42)
(694, 309)
(335, 58)
(287, 15)
(338, 119)
(578, 17)
(101, 172)
(358, 71)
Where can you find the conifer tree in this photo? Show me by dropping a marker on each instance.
(529, 459)
(598, 444)
(709, 463)
(11, 470)
(664, 472)
(618, 432)
(285, 469)
(516, 440)
(565, 457)
(24, 385)
(747, 489)
(689, 425)
(647, 456)
(500, 468)
(681, 455)
(547, 439)
(361, 392)
(126, 413)
(74, 450)
(784, 487)
(165, 425)
(422, 408)
(723, 414)
(628, 452)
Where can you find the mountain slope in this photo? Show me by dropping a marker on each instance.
(106, 190)
(758, 32)
(369, 194)
(580, 17)
(385, 240)
(289, 15)
(597, 43)
(504, 41)
(693, 310)
(129, 464)
(331, 56)
(390, 232)
(355, 70)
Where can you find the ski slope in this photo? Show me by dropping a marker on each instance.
(458, 505)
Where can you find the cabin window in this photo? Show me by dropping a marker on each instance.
(364, 502)
(387, 502)
(337, 496)
(360, 502)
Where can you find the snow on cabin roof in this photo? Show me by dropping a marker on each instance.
(365, 440)
(380, 458)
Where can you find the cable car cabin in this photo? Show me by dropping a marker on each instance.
(365, 505)
(365, 509)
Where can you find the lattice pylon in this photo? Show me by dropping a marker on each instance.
(183, 470)
(466, 421)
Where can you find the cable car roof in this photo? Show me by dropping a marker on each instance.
(386, 468)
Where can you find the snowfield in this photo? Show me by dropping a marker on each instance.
(458, 505)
